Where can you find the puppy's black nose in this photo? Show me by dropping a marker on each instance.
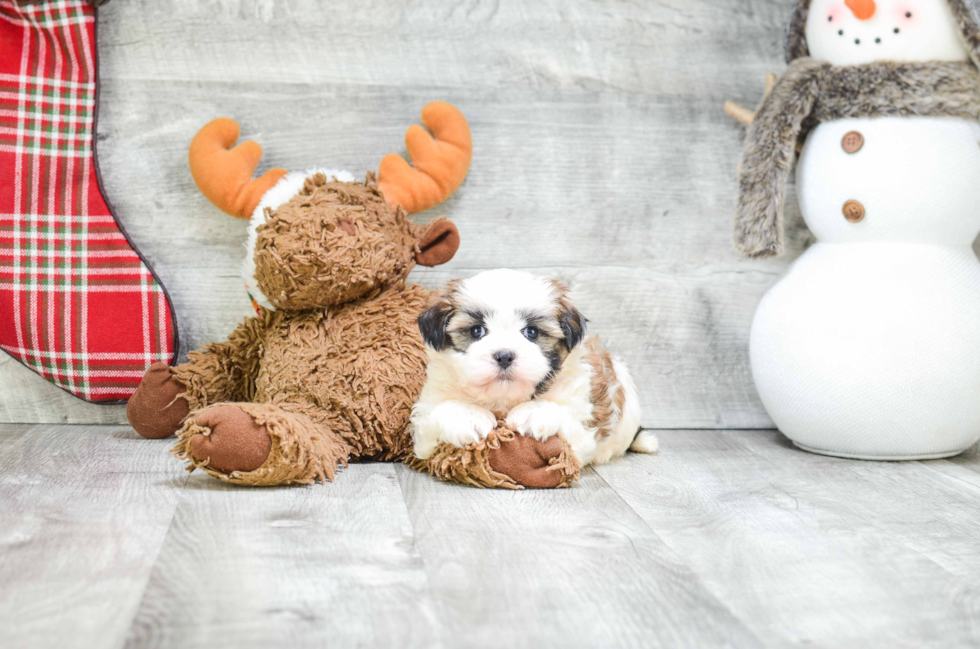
(504, 358)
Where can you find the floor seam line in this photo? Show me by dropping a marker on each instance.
(707, 588)
(418, 550)
(156, 558)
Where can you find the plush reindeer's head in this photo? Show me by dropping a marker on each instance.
(320, 239)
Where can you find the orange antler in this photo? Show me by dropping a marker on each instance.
(440, 160)
(224, 174)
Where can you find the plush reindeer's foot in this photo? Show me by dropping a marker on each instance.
(259, 445)
(227, 439)
(156, 410)
(532, 463)
(505, 459)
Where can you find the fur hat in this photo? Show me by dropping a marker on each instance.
(967, 14)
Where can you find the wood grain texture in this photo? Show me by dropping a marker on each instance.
(289, 567)
(602, 155)
(816, 551)
(574, 567)
(83, 513)
(724, 539)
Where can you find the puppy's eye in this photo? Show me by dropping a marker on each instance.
(531, 333)
(477, 332)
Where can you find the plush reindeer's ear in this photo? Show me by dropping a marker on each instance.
(433, 324)
(439, 243)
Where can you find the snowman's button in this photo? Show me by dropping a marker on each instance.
(852, 142)
(853, 211)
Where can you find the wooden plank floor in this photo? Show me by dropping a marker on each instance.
(723, 539)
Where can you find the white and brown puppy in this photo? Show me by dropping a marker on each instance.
(510, 345)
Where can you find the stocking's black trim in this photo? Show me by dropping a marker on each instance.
(112, 212)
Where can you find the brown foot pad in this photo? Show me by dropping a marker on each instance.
(533, 463)
(226, 438)
(505, 459)
(259, 445)
(155, 410)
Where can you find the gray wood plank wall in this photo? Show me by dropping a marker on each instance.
(602, 157)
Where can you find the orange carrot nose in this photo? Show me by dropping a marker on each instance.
(862, 9)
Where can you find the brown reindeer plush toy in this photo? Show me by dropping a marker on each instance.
(330, 368)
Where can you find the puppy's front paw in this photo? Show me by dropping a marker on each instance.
(538, 419)
(462, 424)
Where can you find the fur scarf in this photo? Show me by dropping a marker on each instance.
(811, 92)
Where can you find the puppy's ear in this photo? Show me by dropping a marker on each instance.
(572, 325)
(571, 321)
(434, 323)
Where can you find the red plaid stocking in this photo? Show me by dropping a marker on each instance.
(78, 305)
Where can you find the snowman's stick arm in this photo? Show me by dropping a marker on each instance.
(739, 113)
(742, 114)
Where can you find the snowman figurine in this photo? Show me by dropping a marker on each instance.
(869, 346)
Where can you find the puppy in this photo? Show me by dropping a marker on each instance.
(510, 345)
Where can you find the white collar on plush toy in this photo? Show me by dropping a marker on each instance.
(287, 187)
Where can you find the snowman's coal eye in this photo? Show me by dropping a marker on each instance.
(830, 19)
(878, 40)
(897, 30)
(908, 14)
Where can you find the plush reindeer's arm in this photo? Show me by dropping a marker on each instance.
(225, 371)
(218, 372)
(504, 459)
